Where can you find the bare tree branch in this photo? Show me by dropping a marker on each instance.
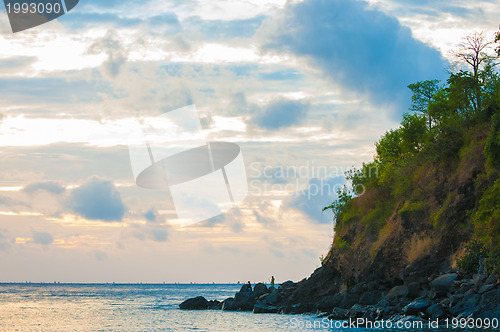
(472, 51)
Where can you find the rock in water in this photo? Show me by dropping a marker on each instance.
(244, 288)
(259, 289)
(416, 307)
(260, 308)
(242, 297)
(436, 311)
(196, 303)
(272, 297)
(338, 314)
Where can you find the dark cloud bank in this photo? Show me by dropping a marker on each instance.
(362, 49)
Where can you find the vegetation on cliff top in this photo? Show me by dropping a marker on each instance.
(434, 183)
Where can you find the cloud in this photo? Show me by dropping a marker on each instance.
(281, 114)
(51, 187)
(7, 201)
(312, 199)
(159, 234)
(42, 238)
(114, 50)
(97, 199)
(264, 218)
(152, 215)
(361, 49)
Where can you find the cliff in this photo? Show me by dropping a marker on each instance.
(427, 205)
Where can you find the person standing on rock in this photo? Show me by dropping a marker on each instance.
(249, 288)
(272, 281)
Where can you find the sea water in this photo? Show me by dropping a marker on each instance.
(134, 307)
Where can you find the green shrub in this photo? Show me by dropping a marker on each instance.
(340, 243)
(492, 148)
(492, 264)
(470, 261)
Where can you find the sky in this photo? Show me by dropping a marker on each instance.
(304, 88)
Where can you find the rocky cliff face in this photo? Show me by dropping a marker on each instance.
(415, 247)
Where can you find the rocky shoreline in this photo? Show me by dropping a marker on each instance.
(450, 294)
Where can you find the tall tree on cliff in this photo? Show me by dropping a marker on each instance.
(473, 50)
(423, 96)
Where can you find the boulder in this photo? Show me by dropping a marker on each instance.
(386, 312)
(397, 292)
(244, 288)
(245, 306)
(229, 304)
(468, 302)
(259, 289)
(369, 315)
(436, 311)
(357, 311)
(486, 288)
(272, 297)
(300, 308)
(468, 313)
(260, 308)
(288, 284)
(338, 314)
(491, 299)
(442, 284)
(214, 305)
(464, 287)
(196, 303)
(456, 298)
(263, 298)
(242, 297)
(416, 307)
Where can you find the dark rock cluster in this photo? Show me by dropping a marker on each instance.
(260, 299)
(448, 295)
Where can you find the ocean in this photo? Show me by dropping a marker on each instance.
(135, 307)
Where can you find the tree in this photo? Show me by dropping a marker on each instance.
(472, 50)
(423, 96)
(413, 132)
(464, 94)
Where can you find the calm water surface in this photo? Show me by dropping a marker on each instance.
(132, 307)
